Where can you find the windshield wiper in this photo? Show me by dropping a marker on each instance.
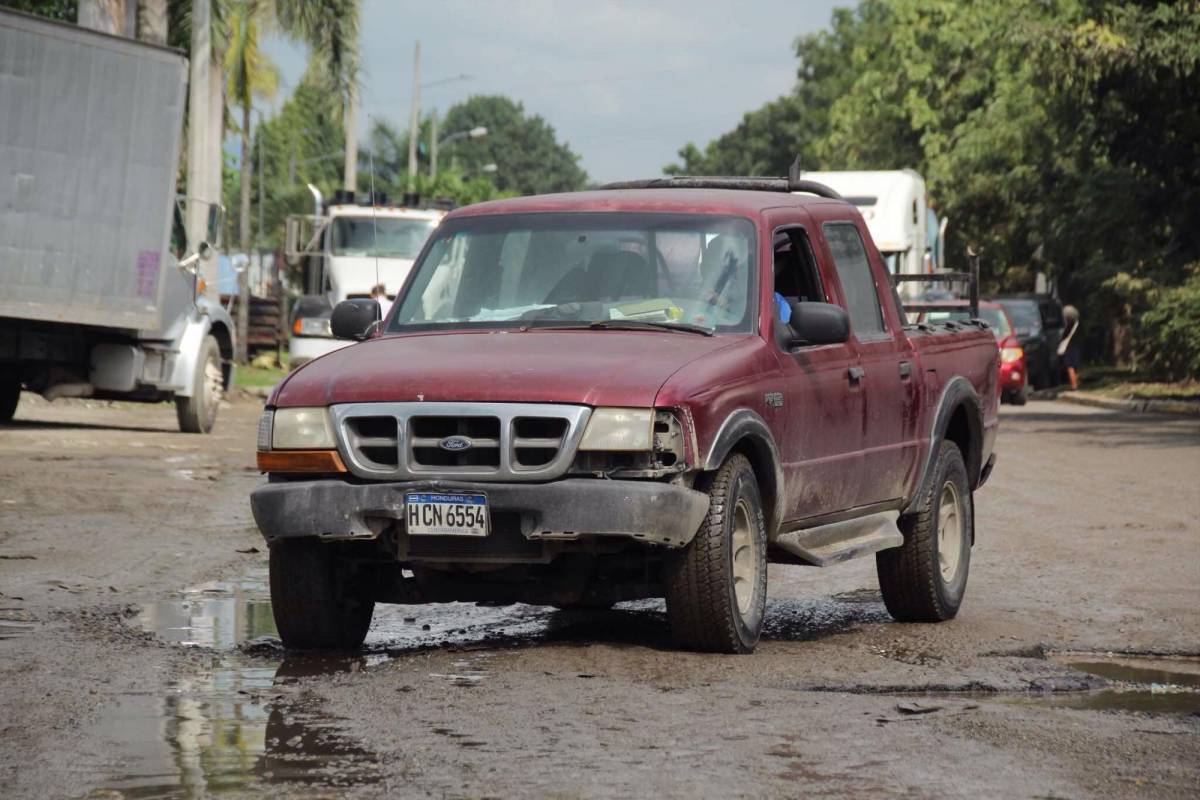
(627, 324)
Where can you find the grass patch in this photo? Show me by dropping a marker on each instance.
(261, 371)
(1128, 385)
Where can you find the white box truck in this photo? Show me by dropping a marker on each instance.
(99, 294)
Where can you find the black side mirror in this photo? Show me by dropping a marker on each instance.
(353, 319)
(818, 323)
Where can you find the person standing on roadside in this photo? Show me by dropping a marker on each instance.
(1070, 350)
(379, 295)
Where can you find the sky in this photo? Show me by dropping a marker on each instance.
(625, 84)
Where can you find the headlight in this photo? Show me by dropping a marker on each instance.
(312, 326)
(1010, 354)
(619, 429)
(301, 429)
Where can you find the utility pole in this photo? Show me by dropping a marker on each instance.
(414, 123)
(433, 143)
(350, 169)
(199, 126)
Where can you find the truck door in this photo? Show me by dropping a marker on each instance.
(889, 370)
(823, 405)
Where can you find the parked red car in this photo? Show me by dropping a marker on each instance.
(1013, 381)
(646, 391)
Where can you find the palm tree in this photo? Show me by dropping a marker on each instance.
(249, 74)
(330, 30)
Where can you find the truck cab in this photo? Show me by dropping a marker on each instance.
(357, 247)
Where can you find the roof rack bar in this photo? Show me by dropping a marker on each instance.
(750, 184)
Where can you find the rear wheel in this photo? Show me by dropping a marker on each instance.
(717, 586)
(317, 601)
(10, 395)
(198, 413)
(925, 579)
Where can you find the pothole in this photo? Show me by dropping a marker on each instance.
(1145, 683)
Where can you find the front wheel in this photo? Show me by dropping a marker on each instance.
(925, 579)
(717, 586)
(316, 597)
(198, 413)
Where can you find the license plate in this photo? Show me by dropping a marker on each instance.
(430, 514)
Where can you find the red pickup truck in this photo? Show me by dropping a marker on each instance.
(652, 390)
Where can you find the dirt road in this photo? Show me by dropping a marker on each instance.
(136, 656)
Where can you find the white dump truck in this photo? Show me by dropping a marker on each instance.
(100, 295)
(351, 245)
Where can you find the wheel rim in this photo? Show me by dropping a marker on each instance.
(745, 564)
(212, 383)
(950, 531)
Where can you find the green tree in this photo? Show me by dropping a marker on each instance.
(529, 158)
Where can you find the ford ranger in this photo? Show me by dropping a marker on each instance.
(650, 390)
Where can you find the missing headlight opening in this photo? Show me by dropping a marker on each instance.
(666, 458)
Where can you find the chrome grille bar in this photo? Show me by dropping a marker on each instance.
(511, 441)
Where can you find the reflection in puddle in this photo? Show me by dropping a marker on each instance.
(236, 725)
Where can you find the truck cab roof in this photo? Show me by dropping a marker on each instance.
(736, 202)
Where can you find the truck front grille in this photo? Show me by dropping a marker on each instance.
(467, 441)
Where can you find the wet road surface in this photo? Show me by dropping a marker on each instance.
(138, 658)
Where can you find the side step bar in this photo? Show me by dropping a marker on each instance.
(842, 541)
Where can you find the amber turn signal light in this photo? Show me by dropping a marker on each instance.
(324, 461)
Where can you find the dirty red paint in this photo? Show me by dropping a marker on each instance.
(842, 444)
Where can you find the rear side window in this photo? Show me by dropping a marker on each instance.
(854, 272)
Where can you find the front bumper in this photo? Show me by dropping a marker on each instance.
(648, 511)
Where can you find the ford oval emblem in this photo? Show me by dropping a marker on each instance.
(455, 443)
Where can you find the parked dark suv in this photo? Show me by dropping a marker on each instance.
(1038, 322)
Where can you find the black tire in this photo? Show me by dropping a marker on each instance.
(911, 578)
(1019, 397)
(198, 413)
(702, 600)
(10, 396)
(317, 602)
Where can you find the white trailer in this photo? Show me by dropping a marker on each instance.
(894, 204)
(97, 296)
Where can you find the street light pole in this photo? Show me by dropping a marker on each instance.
(433, 144)
(477, 132)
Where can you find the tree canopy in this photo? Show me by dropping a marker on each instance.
(529, 158)
(1060, 137)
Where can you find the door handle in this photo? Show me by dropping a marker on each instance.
(856, 374)
(905, 369)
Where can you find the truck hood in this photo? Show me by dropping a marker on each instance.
(611, 368)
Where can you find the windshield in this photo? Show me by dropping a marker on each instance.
(580, 268)
(994, 317)
(1025, 315)
(397, 238)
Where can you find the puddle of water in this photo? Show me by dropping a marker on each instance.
(220, 614)
(1164, 671)
(1150, 684)
(232, 727)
